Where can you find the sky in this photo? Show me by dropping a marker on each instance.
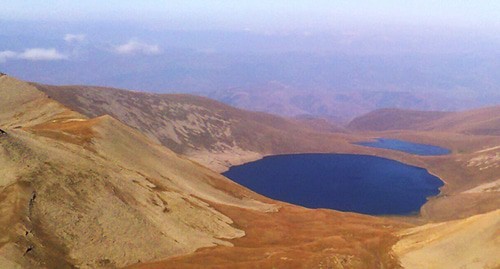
(437, 46)
(262, 15)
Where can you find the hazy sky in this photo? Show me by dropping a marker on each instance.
(415, 46)
(264, 15)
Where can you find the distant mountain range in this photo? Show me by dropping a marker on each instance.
(335, 106)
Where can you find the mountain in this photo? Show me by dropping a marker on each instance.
(320, 124)
(394, 119)
(336, 105)
(218, 136)
(482, 121)
(215, 134)
(95, 192)
(81, 187)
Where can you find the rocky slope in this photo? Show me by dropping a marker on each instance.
(94, 192)
(208, 131)
(467, 243)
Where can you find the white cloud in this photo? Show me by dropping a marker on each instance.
(6, 54)
(74, 38)
(34, 54)
(38, 54)
(135, 47)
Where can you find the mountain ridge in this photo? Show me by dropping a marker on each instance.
(69, 166)
(197, 126)
(481, 121)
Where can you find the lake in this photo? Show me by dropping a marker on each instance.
(346, 182)
(405, 146)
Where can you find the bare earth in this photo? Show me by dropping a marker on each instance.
(467, 243)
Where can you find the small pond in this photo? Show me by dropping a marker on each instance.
(405, 146)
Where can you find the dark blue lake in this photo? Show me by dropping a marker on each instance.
(346, 182)
(405, 146)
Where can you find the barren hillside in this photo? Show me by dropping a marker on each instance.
(483, 121)
(94, 192)
(394, 119)
(208, 131)
(467, 243)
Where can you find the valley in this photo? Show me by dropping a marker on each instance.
(154, 161)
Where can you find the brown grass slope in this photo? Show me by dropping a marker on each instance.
(297, 237)
(394, 119)
(473, 242)
(95, 192)
(208, 131)
(483, 121)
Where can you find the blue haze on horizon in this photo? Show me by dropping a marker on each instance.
(427, 55)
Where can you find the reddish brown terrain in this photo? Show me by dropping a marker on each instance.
(483, 121)
(99, 177)
(215, 134)
(394, 119)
